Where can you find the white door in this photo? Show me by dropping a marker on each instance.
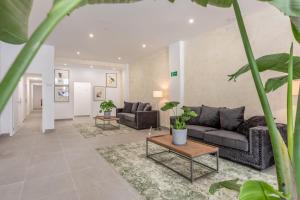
(82, 98)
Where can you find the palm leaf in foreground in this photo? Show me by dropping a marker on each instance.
(14, 17)
(230, 184)
(274, 62)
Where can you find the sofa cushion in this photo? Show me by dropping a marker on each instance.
(148, 107)
(127, 107)
(134, 107)
(227, 139)
(198, 131)
(141, 106)
(127, 116)
(254, 121)
(194, 120)
(230, 119)
(210, 116)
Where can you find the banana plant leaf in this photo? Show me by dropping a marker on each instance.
(229, 184)
(259, 190)
(85, 2)
(218, 3)
(274, 62)
(14, 16)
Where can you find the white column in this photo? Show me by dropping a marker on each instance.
(176, 68)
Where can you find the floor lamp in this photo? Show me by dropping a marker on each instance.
(157, 94)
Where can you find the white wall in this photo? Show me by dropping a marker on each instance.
(97, 77)
(148, 74)
(43, 64)
(212, 56)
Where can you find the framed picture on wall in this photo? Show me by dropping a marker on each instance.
(99, 93)
(61, 93)
(111, 80)
(61, 77)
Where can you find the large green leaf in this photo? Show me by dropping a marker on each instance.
(295, 23)
(259, 190)
(274, 62)
(14, 16)
(85, 2)
(218, 3)
(273, 84)
(229, 184)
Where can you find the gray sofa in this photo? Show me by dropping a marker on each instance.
(138, 115)
(247, 143)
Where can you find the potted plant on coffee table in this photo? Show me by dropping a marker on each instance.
(179, 130)
(106, 107)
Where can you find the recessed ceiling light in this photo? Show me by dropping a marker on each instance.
(65, 64)
(191, 21)
(78, 52)
(91, 35)
(144, 46)
(119, 58)
(91, 66)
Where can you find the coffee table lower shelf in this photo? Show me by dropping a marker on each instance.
(192, 161)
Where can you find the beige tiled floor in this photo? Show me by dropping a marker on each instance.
(61, 165)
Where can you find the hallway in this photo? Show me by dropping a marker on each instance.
(60, 165)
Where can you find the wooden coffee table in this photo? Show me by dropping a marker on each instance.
(106, 122)
(190, 151)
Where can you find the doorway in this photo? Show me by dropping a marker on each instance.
(37, 102)
(82, 99)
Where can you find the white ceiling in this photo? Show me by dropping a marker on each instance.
(120, 30)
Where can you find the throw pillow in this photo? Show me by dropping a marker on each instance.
(134, 107)
(194, 120)
(255, 121)
(210, 116)
(230, 119)
(127, 107)
(148, 107)
(141, 106)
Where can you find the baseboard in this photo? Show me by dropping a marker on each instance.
(66, 119)
(49, 130)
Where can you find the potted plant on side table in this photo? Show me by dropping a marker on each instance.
(106, 107)
(179, 130)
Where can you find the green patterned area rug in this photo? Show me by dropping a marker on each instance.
(156, 182)
(88, 130)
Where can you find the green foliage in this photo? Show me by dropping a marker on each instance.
(259, 190)
(14, 16)
(107, 106)
(284, 168)
(170, 105)
(274, 62)
(180, 121)
(290, 123)
(229, 184)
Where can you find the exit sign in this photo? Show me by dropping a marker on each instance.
(174, 73)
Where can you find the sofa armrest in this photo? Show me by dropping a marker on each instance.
(259, 136)
(119, 110)
(147, 119)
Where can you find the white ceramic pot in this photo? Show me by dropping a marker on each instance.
(179, 136)
(107, 114)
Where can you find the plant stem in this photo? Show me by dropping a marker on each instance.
(296, 154)
(290, 123)
(26, 55)
(282, 161)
